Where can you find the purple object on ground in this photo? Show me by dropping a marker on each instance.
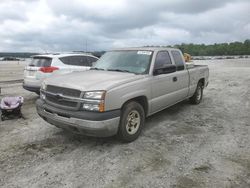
(9, 103)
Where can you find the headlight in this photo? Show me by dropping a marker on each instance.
(94, 101)
(42, 96)
(94, 95)
(43, 86)
(97, 106)
(91, 107)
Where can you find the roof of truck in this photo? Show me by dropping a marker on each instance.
(147, 48)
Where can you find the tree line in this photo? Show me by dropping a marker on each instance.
(233, 48)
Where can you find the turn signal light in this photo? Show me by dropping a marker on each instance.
(101, 107)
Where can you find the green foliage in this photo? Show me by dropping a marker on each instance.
(234, 48)
(17, 54)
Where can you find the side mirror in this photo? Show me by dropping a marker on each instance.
(165, 70)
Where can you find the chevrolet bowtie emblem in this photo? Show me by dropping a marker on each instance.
(59, 96)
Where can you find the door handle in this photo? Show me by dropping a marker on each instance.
(174, 79)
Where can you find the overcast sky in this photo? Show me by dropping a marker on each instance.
(66, 25)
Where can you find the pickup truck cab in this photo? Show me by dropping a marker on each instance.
(124, 87)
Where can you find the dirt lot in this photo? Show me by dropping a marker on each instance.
(207, 145)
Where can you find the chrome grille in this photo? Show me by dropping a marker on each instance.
(57, 96)
(62, 102)
(63, 91)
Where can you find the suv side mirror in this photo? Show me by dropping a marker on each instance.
(165, 70)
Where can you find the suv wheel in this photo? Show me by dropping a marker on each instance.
(132, 121)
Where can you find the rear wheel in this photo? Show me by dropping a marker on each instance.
(132, 121)
(198, 95)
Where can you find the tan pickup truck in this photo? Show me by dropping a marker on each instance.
(120, 90)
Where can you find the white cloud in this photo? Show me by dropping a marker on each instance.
(60, 25)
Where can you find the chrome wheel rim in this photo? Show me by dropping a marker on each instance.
(133, 122)
(199, 93)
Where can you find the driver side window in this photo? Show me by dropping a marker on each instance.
(162, 59)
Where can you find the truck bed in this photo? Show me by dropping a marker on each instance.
(192, 65)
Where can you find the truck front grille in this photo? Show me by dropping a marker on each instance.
(64, 91)
(62, 102)
(52, 98)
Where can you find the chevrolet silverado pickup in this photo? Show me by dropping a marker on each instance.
(123, 88)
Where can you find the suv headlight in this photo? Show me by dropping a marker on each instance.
(94, 101)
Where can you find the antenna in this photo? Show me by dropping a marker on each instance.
(86, 45)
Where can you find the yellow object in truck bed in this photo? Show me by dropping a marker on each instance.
(187, 57)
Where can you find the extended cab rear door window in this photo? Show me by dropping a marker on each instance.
(162, 59)
(178, 60)
(40, 62)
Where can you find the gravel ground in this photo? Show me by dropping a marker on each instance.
(205, 145)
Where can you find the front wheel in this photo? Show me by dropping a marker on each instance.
(132, 121)
(197, 97)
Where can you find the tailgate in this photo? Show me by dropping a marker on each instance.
(37, 62)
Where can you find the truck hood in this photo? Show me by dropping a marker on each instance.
(92, 80)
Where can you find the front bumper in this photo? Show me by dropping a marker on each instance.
(94, 123)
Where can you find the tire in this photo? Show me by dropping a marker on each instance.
(198, 95)
(131, 122)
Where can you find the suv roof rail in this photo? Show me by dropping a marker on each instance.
(62, 53)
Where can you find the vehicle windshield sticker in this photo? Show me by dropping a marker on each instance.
(144, 52)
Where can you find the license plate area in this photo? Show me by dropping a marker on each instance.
(31, 73)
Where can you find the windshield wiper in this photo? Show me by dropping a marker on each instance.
(119, 70)
(95, 68)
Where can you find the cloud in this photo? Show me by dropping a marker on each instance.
(60, 25)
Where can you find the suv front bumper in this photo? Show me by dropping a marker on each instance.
(82, 122)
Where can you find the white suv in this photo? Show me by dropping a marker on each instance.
(43, 66)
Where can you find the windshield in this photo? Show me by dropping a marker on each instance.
(41, 62)
(133, 61)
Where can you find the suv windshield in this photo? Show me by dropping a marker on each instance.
(40, 62)
(133, 61)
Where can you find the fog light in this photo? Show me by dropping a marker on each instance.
(42, 96)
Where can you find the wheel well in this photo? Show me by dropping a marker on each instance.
(142, 100)
(202, 80)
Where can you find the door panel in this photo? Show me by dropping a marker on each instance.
(168, 89)
(163, 91)
(182, 84)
